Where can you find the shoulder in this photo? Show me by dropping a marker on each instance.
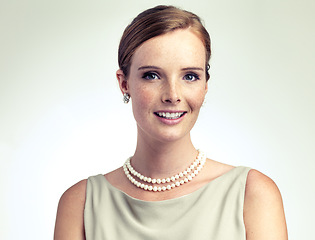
(216, 169)
(260, 188)
(75, 195)
(263, 209)
(70, 213)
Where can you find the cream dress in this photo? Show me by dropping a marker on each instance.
(213, 212)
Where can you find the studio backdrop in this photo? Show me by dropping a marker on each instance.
(62, 118)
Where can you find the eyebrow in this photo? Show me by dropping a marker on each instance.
(184, 69)
(192, 68)
(146, 67)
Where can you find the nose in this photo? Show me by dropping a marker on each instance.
(171, 93)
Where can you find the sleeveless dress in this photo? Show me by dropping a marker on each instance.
(213, 212)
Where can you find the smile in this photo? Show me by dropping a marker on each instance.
(168, 115)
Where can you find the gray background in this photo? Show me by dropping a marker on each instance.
(62, 118)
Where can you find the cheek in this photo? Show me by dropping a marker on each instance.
(142, 98)
(196, 99)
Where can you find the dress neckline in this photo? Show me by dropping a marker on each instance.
(171, 199)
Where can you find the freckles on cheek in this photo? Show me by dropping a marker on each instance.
(144, 98)
(197, 99)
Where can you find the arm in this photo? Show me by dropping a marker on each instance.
(263, 209)
(70, 213)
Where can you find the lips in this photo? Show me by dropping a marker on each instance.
(170, 115)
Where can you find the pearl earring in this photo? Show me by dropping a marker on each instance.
(126, 98)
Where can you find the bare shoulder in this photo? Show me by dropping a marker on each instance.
(216, 169)
(70, 213)
(263, 208)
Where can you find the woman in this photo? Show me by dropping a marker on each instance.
(168, 189)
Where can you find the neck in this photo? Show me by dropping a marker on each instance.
(160, 159)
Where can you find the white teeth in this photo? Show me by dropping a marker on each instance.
(169, 115)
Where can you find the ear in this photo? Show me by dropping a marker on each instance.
(122, 81)
(206, 87)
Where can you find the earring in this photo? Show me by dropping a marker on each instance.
(204, 103)
(126, 98)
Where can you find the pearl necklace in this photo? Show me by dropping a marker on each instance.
(177, 180)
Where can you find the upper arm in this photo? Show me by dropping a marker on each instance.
(70, 214)
(263, 209)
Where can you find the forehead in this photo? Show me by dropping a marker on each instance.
(181, 47)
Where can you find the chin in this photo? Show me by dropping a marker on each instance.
(165, 134)
(172, 136)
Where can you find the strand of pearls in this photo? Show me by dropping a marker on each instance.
(185, 176)
(164, 180)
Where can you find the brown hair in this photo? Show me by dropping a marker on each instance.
(154, 22)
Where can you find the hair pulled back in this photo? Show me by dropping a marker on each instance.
(155, 22)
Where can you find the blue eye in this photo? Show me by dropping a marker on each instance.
(191, 77)
(150, 76)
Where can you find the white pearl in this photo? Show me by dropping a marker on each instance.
(194, 168)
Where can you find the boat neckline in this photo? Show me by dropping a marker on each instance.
(176, 198)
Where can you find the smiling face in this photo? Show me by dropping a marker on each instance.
(167, 85)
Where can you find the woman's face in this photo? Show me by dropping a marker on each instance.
(167, 85)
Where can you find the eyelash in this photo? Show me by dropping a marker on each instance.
(154, 76)
(194, 75)
(148, 76)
